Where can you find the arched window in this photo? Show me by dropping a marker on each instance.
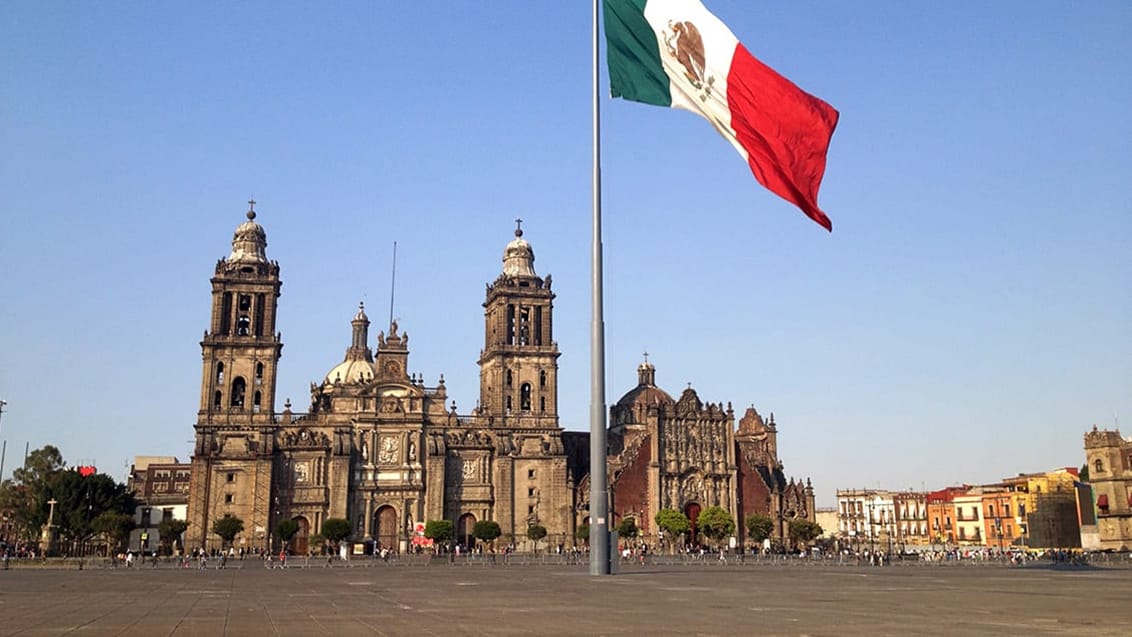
(243, 320)
(1098, 466)
(510, 325)
(256, 402)
(226, 313)
(508, 375)
(259, 373)
(220, 372)
(542, 403)
(542, 379)
(524, 325)
(259, 303)
(508, 404)
(217, 399)
(525, 397)
(239, 386)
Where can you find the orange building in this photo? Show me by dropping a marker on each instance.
(941, 514)
(1000, 528)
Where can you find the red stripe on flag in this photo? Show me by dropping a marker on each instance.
(784, 130)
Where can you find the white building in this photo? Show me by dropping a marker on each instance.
(161, 486)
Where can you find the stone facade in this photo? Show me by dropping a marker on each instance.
(1109, 459)
(385, 451)
(688, 455)
(377, 446)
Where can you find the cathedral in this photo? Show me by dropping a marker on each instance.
(383, 450)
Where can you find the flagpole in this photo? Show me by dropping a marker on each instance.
(599, 494)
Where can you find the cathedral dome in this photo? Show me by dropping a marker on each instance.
(249, 243)
(351, 371)
(518, 257)
(358, 365)
(646, 393)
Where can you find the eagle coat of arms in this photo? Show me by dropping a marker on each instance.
(685, 44)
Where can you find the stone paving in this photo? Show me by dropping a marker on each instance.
(438, 599)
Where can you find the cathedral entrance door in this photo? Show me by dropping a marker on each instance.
(301, 542)
(464, 531)
(385, 527)
(692, 511)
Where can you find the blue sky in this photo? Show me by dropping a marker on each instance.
(968, 318)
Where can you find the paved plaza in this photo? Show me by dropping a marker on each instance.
(439, 599)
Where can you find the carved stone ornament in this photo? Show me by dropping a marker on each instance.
(470, 468)
(305, 438)
(302, 472)
(389, 448)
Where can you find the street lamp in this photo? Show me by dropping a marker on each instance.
(2, 404)
(872, 536)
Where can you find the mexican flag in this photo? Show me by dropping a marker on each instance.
(676, 53)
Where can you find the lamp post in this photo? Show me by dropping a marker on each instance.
(998, 525)
(3, 403)
(872, 533)
(50, 537)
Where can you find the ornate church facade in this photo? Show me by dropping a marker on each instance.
(387, 452)
(687, 455)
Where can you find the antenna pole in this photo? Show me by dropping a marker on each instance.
(393, 284)
(5, 451)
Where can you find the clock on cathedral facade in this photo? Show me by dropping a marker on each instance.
(386, 451)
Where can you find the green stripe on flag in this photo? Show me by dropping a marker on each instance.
(633, 54)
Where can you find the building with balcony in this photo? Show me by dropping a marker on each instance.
(161, 486)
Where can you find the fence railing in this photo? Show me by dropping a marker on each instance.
(487, 560)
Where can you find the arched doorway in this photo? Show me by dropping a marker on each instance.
(464, 528)
(385, 527)
(301, 542)
(692, 511)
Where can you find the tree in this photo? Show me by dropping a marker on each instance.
(335, 530)
(804, 531)
(24, 497)
(759, 527)
(536, 532)
(486, 530)
(627, 528)
(286, 529)
(674, 523)
(115, 527)
(40, 465)
(170, 531)
(715, 523)
(79, 500)
(228, 527)
(440, 531)
(582, 533)
(316, 543)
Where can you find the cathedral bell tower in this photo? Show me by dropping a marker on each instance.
(519, 362)
(241, 348)
(232, 459)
